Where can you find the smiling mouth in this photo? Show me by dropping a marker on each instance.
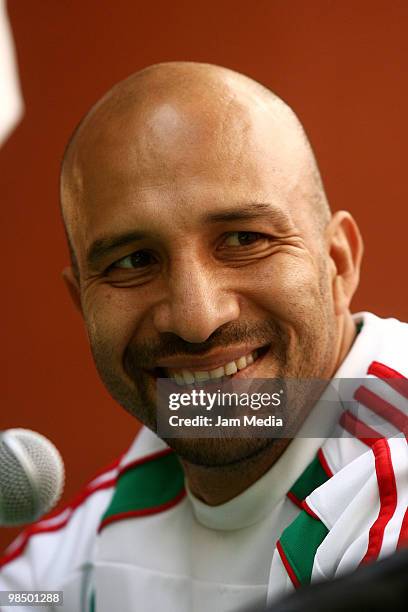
(185, 376)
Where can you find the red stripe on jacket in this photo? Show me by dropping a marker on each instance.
(387, 489)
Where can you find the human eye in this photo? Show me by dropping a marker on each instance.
(137, 268)
(242, 239)
(137, 260)
(245, 247)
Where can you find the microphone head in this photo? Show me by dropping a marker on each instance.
(31, 476)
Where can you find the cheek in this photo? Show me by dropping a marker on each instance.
(287, 286)
(111, 317)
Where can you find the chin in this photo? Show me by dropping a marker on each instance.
(219, 452)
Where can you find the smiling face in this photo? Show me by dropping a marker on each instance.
(199, 250)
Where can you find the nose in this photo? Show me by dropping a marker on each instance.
(197, 303)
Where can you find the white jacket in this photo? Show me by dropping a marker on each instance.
(134, 541)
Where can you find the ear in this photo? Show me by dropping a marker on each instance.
(72, 285)
(345, 247)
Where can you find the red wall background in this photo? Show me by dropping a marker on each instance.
(342, 65)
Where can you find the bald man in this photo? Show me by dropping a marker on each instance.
(203, 249)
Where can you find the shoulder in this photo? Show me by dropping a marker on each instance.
(391, 342)
(51, 550)
(357, 516)
(363, 509)
(61, 542)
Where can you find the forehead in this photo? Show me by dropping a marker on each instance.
(166, 164)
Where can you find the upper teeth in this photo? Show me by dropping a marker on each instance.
(184, 376)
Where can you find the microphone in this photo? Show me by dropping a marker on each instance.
(31, 476)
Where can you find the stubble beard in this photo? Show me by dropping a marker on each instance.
(136, 392)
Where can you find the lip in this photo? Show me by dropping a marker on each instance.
(209, 385)
(212, 361)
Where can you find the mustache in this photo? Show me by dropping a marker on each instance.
(146, 354)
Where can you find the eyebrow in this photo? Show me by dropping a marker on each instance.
(252, 210)
(101, 247)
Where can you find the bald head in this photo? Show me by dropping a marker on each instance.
(168, 119)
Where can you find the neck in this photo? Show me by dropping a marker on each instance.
(347, 335)
(217, 485)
